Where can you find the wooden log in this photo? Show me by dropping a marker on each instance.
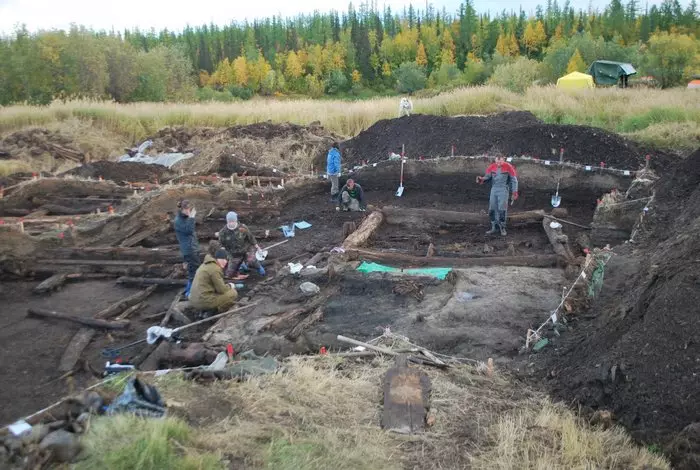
(140, 236)
(534, 261)
(118, 307)
(153, 255)
(54, 282)
(315, 259)
(380, 349)
(284, 318)
(365, 231)
(130, 311)
(55, 209)
(71, 355)
(91, 322)
(305, 323)
(91, 262)
(418, 217)
(151, 281)
(406, 398)
(179, 355)
(559, 241)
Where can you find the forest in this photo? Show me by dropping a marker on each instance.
(360, 53)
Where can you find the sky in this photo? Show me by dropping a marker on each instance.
(174, 15)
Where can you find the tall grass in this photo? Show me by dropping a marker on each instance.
(627, 111)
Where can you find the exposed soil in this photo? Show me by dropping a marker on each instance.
(38, 142)
(512, 133)
(121, 173)
(639, 355)
(256, 148)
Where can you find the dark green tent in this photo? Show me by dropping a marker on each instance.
(607, 72)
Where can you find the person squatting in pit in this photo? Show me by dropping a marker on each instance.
(241, 246)
(504, 181)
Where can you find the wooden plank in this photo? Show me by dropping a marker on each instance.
(418, 216)
(559, 241)
(535, 261)
(151, 281)
(72, 353)
(91, 322)
(118, 307)
(406, 398)
(365, 231)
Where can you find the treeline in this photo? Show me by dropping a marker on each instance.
(359, 52)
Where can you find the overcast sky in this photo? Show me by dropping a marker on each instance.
(174, 15)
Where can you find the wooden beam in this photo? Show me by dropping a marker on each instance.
(91, 262)
(365, 231)
(534, 261)
(418, 217)
(71, 355)
(559, 241)
(406, 398)
(305, 323)
(91, 322)
(118, 307)
(151, 281)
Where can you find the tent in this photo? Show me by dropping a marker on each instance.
(694, 84)
(575, 81)
(607, 72)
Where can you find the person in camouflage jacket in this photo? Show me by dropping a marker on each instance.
(241, 245)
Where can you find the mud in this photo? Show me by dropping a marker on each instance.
(638, 355)
(513, 133)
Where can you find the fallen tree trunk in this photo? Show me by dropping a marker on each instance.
(365, 231)
(534, 261)
(417, 217)
(151, 281)
(93, 323)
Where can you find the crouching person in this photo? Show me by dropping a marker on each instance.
(209, 291)
(241, 245)
(351, 197)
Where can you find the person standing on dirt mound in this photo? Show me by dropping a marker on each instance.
(209, 291)
(333, 169)
(504, 180)
(187, 238)
(241, 245)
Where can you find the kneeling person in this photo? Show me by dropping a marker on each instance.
(241, 245)
(351, 196)
(209, 291)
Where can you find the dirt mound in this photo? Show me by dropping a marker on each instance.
(512, 133)
(37, 143)
(639, 356)
(256, 148)
(123, 172)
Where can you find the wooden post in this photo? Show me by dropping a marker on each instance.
(365, 231)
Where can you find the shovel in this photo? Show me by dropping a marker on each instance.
(556, 198)
(399, 191)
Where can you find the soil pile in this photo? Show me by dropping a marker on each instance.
(639, 356)
(255, 148)
(124, 172)
(512, 133)
(37, 142)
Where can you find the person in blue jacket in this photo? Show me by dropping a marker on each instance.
(187, 238)
(333, 169)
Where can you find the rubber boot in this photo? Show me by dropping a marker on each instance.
(493, 229)
(261, 270)
(503, 232)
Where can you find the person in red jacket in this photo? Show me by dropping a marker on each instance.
(504, 181)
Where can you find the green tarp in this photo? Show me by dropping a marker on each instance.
(607, 72)
(439, 273)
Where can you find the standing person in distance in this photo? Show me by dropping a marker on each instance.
(333, 170)
(504, 180)
(187, 238)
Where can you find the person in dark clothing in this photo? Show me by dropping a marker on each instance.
(241, 245)
(187, 238)
(351, 197)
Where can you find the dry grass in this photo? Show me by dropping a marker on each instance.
(8, 167)
(323, 413)
(632, 111)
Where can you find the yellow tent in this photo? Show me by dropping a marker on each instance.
(575, 81)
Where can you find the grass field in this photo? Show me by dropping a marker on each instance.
(664, 118)
(319, 415)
